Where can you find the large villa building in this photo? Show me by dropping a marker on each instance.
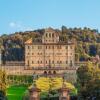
(46, 55)
(49, 51)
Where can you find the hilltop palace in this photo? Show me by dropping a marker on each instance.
(48, 56)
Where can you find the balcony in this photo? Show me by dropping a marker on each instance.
(53, 68)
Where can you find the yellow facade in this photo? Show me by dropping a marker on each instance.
(50, 51)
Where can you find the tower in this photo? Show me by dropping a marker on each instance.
(64, 93)
(34, 93)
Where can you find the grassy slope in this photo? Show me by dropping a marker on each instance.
(15, 92)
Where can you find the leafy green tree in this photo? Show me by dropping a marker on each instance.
(3, 80)
(88, 78)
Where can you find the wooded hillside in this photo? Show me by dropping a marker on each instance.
(87, 42)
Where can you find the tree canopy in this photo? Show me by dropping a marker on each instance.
(3, 81)
(89, 81)
(87, 42)
(50, 84)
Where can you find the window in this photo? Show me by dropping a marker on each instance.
(71, 47)
(41, 62)
(38, 62)
(53, 62)
(32, 62)
(39, 53)
(49, 34)
(45, 72)
(49, 61)
(28, 47)
(59, 47)
(52, 47)
(59, 53)
(49, 72)
(54, 72)
(60, 62)
(39, 47)
(66, 47)
(32, 53)
(46, 62)
(46, 47)
(49, 47)
(52, 34)
(71, 63)
(66, 62)
(28, 62)
(28, 53)
(46, 34)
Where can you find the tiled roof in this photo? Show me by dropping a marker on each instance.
(29, 41)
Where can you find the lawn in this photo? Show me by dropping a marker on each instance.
(16, 92)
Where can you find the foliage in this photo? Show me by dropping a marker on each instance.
(2, 95)
(89, 81)
(2, 81)
(52, 84)
(20, 79)
(87, 42)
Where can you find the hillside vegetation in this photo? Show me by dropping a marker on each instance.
(87, 42)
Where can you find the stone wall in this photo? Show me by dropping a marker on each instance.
(69, 74)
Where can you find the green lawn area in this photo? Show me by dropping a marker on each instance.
(16, 92)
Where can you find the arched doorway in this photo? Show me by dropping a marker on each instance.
(45, 72)
(49, 72)
(54, 72)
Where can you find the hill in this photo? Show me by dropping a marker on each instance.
(87, 42)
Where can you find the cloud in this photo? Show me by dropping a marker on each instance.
(19, 26)
(29, 29)
(12, 24)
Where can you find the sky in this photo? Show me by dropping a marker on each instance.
(24, 15)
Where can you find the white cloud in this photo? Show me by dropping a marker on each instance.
(28, 28)
(12, 24)
(19, 26)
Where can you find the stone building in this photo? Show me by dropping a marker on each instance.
(49, 50)
(48, 55)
